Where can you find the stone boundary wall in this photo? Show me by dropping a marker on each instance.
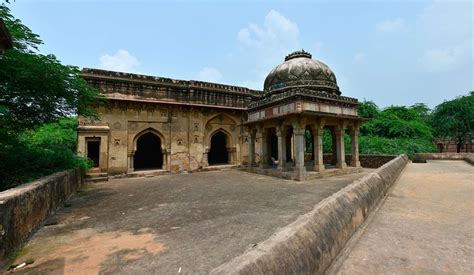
(468, 157)
(309, 244)
(367, 161)
(23, 209)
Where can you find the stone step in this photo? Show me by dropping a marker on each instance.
(97, 179)
(96, 174)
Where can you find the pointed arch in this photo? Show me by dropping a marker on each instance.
(148, 150)
(149, 130)
(219, 148)
(227, 134)
(222, 118)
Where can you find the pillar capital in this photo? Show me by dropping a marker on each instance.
(342, 125)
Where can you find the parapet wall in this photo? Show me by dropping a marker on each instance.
(309, 245)
(23, 209)
(468, 157)
(366, 161)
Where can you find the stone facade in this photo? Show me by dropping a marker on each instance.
(184, 115)
(175, 125)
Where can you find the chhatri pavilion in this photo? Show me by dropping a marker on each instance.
(301, 94)
(166, 125)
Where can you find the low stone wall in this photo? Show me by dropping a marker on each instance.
(367, 161)
(23, 209)
(309, 245)
(468, 157)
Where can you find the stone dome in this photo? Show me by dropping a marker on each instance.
(299, 70)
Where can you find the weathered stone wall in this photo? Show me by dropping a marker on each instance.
(367, 161)
(468, 157)
(185, 134)
(23, 209)
(309, 245)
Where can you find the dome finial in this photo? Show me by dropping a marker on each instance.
(296, 54)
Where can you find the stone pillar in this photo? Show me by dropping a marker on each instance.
(341, 156)
(231, 151)
(317, 130)
(281, 134)
(205, 159)
(300, 170)
(168, 159)
(355, 145)
(251, 141)
(264, 148)
(130, 161)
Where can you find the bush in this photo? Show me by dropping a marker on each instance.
(38, 153)
(394, 146)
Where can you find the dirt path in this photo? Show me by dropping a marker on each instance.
(426, 225)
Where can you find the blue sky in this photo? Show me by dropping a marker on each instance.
(391, 52)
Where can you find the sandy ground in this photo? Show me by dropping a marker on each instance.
(426, 225)
(187, 223)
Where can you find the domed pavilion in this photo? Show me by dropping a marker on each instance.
(301, 94)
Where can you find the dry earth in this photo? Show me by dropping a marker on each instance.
(187, 223)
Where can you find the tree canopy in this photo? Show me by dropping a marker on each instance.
(38, 96)
(37, 88)
(454, 119)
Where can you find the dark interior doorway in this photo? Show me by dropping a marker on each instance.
(148, 154)
(440, 147)
(288, 145)
(273, 146)
(218, 153)
(93, 151)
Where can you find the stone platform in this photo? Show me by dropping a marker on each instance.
(184, 223)
(289, 174)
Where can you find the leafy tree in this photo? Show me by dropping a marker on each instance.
(455, 119)
(40, 152)
(37, 88)
(368, 109)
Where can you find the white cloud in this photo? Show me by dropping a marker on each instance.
(121, 61)
(277, 32)
(443, 22)
(210, 74)
(266, 45)
(360, 58)
(448, 58)
(394, 25)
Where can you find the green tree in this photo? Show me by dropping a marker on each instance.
(368, 109)
(454, 119)
(37, 88)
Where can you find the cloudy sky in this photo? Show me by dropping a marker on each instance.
(391, 52)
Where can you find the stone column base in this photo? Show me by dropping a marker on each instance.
(355, 163)
(299, 173)
(318, 167)
(341, 165)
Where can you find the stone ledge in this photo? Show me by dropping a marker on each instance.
(308, 175)
(468, 157)
(23, 209)
(309, 245)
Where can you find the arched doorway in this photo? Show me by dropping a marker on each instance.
(218, 153)
(148, 154)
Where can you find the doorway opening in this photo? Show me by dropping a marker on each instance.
(148, 154)
(93, 151)
(273, 147)
(218, 153)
